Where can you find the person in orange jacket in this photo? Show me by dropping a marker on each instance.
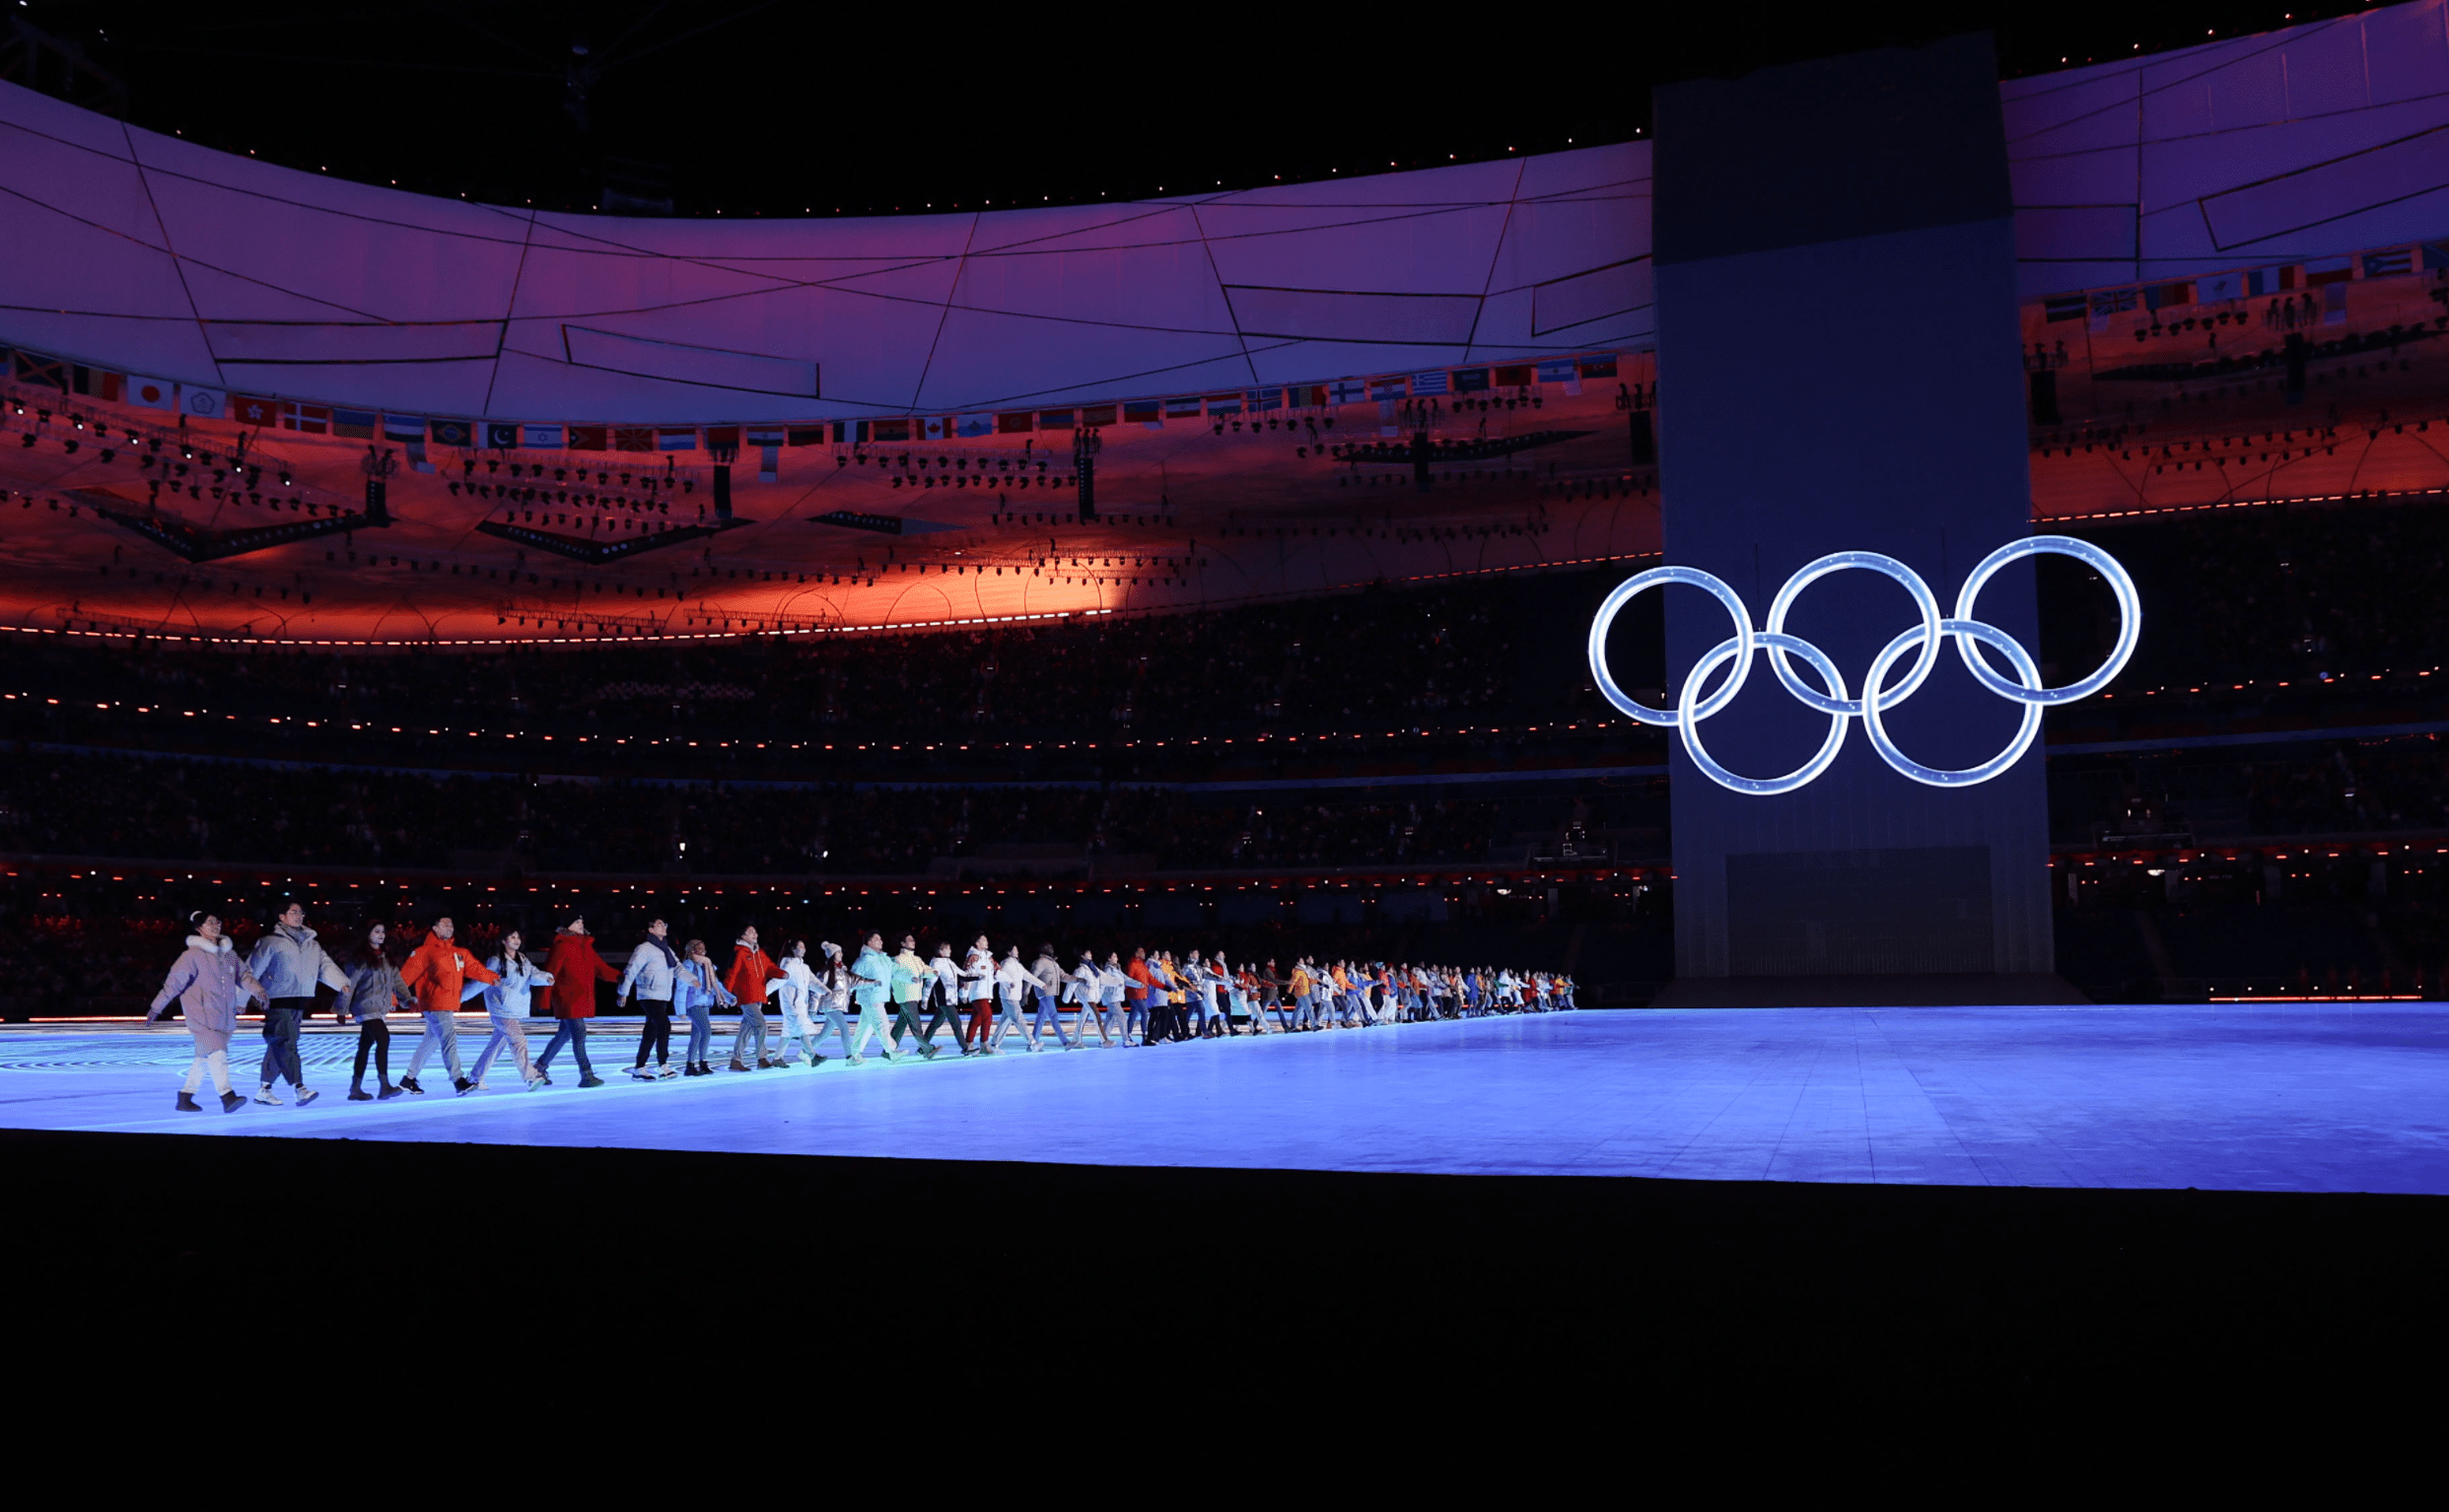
(1142, 982)
(751, 968)
(435, 973)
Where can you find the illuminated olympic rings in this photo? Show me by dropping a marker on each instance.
(1922, 642)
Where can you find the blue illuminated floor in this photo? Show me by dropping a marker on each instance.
(2325, 1098)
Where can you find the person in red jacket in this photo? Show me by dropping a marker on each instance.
(435, 974)
(574, 968)
(751, 969)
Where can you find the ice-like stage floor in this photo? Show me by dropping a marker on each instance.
(2305, 1098)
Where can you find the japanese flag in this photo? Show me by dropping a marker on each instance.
(152, 394)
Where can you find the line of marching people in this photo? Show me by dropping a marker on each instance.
(892, 1003)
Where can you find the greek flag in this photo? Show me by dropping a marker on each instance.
(1429, 383)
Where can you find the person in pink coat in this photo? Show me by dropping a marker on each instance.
(210, 979)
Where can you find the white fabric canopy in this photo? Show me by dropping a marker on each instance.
(148, 254)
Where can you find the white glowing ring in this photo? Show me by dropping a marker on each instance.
(1966, 633)
(1624, 592)
(1830, 698)
(1689, 718)
(1887, 567)
(2130, 617)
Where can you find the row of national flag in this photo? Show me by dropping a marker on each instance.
(416, 432)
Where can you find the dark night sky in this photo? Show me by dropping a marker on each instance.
(785, 107)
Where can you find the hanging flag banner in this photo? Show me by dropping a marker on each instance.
(1466, 380)
(454, 432)
(676, 441)
(540, 438)
(633, 437)
(312, 419)
(203, 403)
(1185, 408)
(355, 423)
(1261, 399)
(1396, 387)
(590, 438)
(152, 394)
(502, 438)
(1147, 412)
(1224, 404)
(247, 409)
(402, 427)
(974, 425)
(1347, 391)
(1562, 370)
(768, 439)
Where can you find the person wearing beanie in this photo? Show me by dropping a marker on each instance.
(210, 982)
(373, 992)
(575, 969)
(290, 965)
(438, 974)
(750, 969)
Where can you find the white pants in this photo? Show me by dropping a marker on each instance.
(215, 1062)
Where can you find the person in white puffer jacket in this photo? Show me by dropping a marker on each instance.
(797, 991)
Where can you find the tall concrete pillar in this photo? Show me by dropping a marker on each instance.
(1840, 368)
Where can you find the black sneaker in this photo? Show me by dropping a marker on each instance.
(463, 1086)
(410, 1085)
(590, 1081)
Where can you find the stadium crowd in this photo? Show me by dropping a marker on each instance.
(86, 804)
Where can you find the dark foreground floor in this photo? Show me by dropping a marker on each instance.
(1600, 1281)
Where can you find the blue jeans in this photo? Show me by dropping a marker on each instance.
(1049, 1015)
(701, 1031)
(573, 1033)
(751, 1022)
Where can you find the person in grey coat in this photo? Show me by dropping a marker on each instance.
(210, 982)
(374, 991)
(289, 964)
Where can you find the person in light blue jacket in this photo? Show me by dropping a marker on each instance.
(506, 1006)
(698, 991)
(872, 983)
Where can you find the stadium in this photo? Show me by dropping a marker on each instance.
(1318, 587)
